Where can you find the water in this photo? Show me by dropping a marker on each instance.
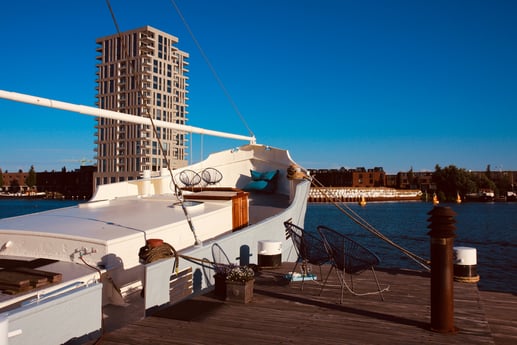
(17, 207)
(491, 228)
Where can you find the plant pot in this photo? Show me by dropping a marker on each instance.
(241, 292)
(220, 286)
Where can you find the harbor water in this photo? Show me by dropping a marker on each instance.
(491, 228)
(11, 207)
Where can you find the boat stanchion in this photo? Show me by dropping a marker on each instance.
(465, 265)
(442, 284)
(269, 254)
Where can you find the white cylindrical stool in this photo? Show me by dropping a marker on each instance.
(163, 186)
(465, 265)
(146, 184)
(269, 253)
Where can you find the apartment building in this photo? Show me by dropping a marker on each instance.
(140, 72)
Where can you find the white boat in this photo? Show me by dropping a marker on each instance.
(86, 257)
(483, 195)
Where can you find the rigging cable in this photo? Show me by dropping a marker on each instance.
(177, 190)
(211, 67)
(364, 224)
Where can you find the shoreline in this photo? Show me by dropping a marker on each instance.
(368, 194)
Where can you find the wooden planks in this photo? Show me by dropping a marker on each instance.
(180, 285)
(22, 279)
(501, 312)
(282, 313)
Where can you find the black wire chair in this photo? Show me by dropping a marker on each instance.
(220, 259)
(211, 176)
(221, 265)
(189, 178)
(309, 248)
(348, 258)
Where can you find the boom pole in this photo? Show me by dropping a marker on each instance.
(114, 115)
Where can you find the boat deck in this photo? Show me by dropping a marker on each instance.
(282, 313)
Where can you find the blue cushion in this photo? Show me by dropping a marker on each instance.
(257, 185)
(263, 181)
(255, 175)
(263, 176)
(269, 175)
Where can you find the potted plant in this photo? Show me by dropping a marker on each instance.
(239, 284)
(221, 272)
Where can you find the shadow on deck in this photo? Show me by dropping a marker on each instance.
(281, 313)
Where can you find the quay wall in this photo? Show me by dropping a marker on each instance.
(355, 194)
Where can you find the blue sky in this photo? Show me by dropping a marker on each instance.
(393, 83)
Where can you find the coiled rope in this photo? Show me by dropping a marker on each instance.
(148, 254)
(345, 209)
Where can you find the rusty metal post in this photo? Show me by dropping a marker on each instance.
(442, 272)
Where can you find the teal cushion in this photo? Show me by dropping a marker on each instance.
(269, 175)
(255, 175)
(256, 185)
(263, 176)
(265, 182)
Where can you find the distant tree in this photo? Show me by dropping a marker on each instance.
(488, 172)
(484, 182)
(31, 178)
(63, 169)
(452, 180)
(503, 184)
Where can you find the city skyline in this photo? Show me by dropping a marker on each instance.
(366, 168)
(396, 84)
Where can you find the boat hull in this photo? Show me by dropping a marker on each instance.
(104, 236)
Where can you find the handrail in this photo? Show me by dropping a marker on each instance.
(40, 296)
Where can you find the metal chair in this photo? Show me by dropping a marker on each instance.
(309, 248)
(189, 178)
(220, 259)
(221, 265)
(211, 176)
(348, 257)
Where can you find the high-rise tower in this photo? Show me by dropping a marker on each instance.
(140, 72)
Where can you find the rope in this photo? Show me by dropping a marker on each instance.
(150, 254)
(92, 267)
(201, 262)
(164, 251)
(211, 67)
(365, 225)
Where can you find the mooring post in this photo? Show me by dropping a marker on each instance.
(442, 284)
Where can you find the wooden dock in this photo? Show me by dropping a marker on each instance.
(281, 313)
